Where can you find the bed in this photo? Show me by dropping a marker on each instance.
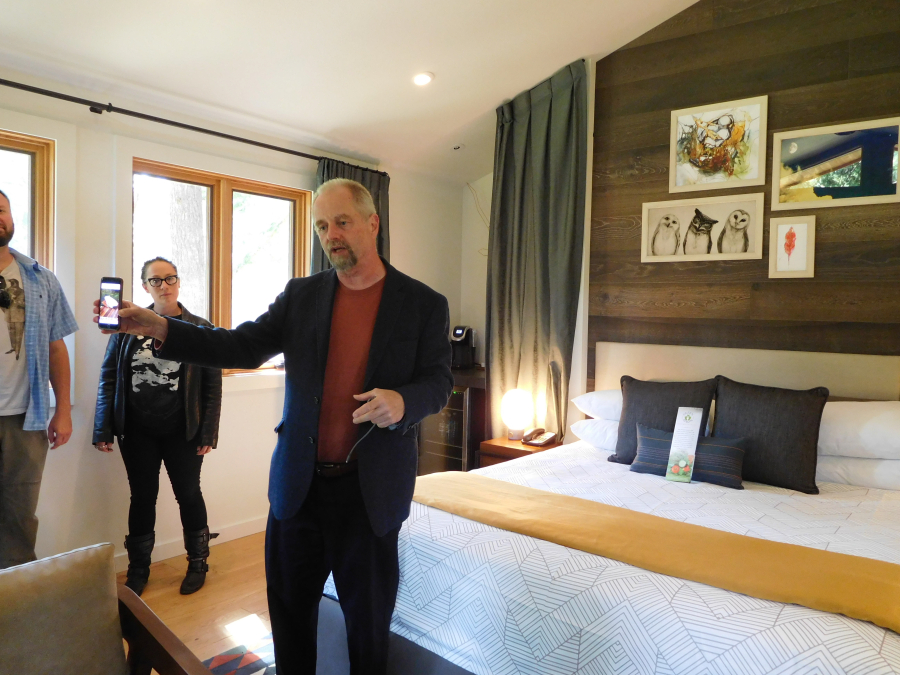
(496, 602)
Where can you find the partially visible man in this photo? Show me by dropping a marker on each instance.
(367, 356)
(29, 293)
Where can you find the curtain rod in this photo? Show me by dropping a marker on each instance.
(100, 108)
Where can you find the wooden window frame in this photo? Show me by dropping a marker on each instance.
(222, 188)
(43, 191)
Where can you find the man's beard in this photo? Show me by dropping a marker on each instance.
(341, 263)
(7, 235)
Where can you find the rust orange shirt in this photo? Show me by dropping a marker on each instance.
(352, 321)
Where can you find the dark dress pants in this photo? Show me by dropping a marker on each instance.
(144, 451)
(331, 533)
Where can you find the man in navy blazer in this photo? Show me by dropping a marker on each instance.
(367, 357)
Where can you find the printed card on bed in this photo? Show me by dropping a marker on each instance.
(684, 444)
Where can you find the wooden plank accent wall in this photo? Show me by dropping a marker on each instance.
(820, 62)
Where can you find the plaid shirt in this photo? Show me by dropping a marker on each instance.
(47, 318)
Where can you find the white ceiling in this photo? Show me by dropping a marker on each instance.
(333, 75)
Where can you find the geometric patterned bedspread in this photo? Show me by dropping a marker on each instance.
(499, 603)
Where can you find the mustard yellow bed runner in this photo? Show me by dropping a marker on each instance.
(857, 587)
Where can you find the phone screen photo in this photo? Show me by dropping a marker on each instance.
(110, 299)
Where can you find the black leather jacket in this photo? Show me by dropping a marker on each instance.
(202, 391)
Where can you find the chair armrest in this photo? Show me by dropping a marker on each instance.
(150, 642)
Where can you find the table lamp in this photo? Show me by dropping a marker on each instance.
(517, 412)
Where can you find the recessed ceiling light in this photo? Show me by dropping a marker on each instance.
(423, 78)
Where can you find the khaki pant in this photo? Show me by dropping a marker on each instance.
(22, 457)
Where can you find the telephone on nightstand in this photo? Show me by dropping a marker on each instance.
(538, 437)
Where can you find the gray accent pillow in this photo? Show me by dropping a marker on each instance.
(717, 460)
(655, 405)
(783, 428)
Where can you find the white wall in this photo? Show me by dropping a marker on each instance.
(426, 217)
(476, 216)
(84, 497)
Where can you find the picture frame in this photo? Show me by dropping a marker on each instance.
(837, 165)
(792, 247)
(717, 146)
(705, 228)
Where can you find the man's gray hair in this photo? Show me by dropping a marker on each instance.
(362, 198)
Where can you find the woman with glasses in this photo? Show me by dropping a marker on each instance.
(161, 412)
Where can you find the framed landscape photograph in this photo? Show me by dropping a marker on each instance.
(717, 146)
(792, 247)
(842, 165)
(708, 228)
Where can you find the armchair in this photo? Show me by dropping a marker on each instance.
(65, 614)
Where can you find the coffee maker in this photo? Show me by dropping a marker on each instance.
(462, 340)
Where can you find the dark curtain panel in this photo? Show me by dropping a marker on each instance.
(537, 234)
(377, 182)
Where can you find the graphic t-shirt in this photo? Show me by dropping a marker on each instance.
(154, 399)
(14, 388)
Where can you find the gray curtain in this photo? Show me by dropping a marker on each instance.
(535, 252)
(377, 182)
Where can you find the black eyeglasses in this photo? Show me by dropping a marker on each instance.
(156, 282)
(5, 300)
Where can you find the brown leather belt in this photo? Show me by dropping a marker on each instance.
(335, 470)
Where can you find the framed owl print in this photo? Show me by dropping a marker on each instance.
(722, 145)
(710, 228)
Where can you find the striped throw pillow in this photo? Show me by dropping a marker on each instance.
(718, 460)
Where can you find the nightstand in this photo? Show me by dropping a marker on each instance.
(499, 450)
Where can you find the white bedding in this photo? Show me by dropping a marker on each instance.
(883, 474)
(495, 602)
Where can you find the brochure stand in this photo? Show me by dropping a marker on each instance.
(684, 445)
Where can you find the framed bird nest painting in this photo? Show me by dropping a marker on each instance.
(710, 228)
(717, 146)
(842, 165)
(792, 247)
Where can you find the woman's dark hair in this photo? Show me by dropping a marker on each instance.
(158, 258)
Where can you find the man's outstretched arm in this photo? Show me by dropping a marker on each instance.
(248, 346)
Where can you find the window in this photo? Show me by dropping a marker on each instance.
(171, 219)
(236, 242)
(260, 253)
(27, 177)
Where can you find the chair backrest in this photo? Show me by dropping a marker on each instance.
(61, 615)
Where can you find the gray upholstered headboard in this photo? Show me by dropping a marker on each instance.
(856, 376)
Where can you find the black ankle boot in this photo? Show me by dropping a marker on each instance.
(139, 550)
(196, 544)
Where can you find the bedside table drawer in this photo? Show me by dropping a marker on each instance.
(490, 460)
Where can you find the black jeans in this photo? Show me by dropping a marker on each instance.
(143, 452)
(331, 533)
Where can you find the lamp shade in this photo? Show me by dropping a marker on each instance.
(517, 409)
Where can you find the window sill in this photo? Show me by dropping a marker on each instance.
(266, 379)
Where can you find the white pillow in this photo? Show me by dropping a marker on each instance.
(602, 434)
(883, 474)
(867, 430)
(602, 405)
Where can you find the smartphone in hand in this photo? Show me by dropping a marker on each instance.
(110, 300)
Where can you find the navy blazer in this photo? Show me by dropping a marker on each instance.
(410, 354)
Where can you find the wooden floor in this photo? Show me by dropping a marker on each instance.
(235, 588)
